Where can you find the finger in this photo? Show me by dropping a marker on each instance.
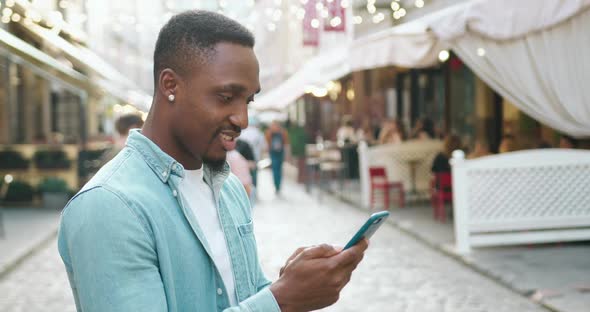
(320, 251)
(296, 253)
(352, 255)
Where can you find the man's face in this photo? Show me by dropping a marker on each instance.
(213, 102)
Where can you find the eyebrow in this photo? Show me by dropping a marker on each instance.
(235, 88)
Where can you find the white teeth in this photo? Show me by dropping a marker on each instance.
(226, 137)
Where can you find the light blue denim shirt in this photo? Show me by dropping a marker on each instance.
(130, 243)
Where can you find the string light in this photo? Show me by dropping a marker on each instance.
(10, 3)
(443, 55)
(357, 20)
(336, 21)
(378, 18)
(315, 23)
(344, 4)
(395, 6)
(481, 51)
(371, 8)
(419, 3)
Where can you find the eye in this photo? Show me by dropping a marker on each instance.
(225, 98)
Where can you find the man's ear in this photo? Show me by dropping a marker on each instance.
(168, 84)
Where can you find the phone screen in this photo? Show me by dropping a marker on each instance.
(369, 228)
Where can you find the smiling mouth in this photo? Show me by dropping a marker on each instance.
(228, 141)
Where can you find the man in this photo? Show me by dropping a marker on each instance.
(277, 140)
(123, 125)
(164, 226)
(255, 138)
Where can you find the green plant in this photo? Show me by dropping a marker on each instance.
(51, 159)
(298, 138)
(19, 191)
(53, 185)
(10, 159)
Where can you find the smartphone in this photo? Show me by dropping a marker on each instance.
(369, 228)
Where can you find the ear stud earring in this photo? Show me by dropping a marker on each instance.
(171, 98)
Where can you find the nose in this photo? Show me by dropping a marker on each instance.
(240, 118)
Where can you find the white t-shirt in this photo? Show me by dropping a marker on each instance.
(200, 200)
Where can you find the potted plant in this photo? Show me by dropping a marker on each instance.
(19, 192)
(10, 159)
(51, 159)
(55, 193)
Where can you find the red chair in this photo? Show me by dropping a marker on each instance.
(441, 192)
(378, 179)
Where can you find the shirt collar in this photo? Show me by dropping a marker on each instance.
(163, 165)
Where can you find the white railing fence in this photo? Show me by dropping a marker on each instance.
(533, 196)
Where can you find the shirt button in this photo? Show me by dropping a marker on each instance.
(219, 291)
(174, 193)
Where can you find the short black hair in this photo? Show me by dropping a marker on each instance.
(194, 34)
(128, 122)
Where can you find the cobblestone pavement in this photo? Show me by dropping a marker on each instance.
(397, 274)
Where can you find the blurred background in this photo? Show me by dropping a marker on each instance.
(475, 113)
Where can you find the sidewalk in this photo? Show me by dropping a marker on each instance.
(398, 273)
(556, 275)
(25, 231)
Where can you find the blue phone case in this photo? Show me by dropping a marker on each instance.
(369, 228)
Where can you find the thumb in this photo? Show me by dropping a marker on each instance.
(319, 251)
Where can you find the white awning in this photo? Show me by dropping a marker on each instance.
(536, 54)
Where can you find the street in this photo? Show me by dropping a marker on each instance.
(397, 273)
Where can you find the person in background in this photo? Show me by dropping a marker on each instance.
(241, 168)
(424, 129)
(123, 125)
(247, 161)
(278, 147)
(508, 144)
(441, 161)
(391, 133)
(255, 138)
(365, 132)
(567, 141)
(481, 148)
(345, 134)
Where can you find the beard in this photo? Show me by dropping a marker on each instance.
(216, 165)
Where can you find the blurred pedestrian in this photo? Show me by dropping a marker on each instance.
(165, 226)
(567, 141)
(481, 148)
(123, 125)
(365, 132)
(507, 144)
(240, 167)
(441, 160)
(255, 138)
(345, 134)
(424, 129)
(278, 147)
(391, 132)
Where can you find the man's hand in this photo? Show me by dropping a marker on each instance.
(313, 277)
